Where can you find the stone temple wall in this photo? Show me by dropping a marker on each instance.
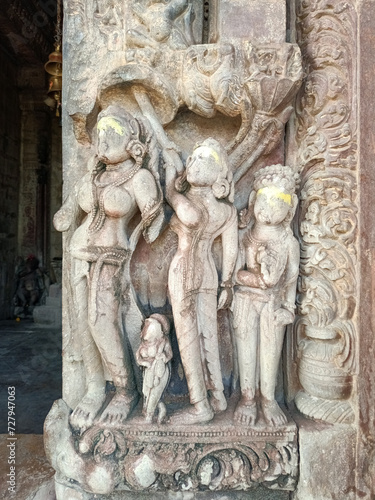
(218, 251)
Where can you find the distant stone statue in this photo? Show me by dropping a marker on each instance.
(154, 355)
(108, 321)
(29, 284)
(201, 198)
(265, 294)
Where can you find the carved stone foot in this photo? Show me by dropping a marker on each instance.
(246, 411)
(197, 414)
(87, 409)
(273, 413)
(218, 401)
(119, 408)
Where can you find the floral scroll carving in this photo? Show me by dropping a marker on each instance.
(326, 136)
(152, 458)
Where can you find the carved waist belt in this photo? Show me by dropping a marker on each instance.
(107, 255)
(256, 294)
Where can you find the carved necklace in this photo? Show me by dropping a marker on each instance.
(98, 213)
(126, 177)
(259, 243)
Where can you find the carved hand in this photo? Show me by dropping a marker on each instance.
(253, 280)
(63, 219)
(271, 265)
(283, 317)
(225, 298)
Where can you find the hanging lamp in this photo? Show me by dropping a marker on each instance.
(54, 67)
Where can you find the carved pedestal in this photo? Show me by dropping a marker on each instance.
(220, 456)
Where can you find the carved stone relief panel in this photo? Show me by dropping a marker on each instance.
(180, 266)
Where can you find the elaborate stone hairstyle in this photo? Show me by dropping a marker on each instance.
(224, 185)
(142, 147)
(278, 175)
(119, 119)
(159, 318)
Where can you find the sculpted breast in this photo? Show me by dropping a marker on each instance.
(117, 201)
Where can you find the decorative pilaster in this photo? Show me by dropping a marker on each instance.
(327, 142)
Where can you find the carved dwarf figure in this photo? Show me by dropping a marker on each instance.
(108, 321)
(154, 355)
(201, 199)
(265, 293)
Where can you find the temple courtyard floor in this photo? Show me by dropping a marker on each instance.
(30, 381)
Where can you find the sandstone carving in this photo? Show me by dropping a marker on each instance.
(169, 295)
(326, 331)
(265, 295)
(155, 459)
(154, 355)
(201, 215)
(106, 310)
(159, 24)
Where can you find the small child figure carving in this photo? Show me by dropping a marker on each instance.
(265, 292)
(154, 355)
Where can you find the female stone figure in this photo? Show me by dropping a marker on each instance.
(108, 321)
(201, 199)
(265, 294)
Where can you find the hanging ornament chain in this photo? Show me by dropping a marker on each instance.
(58, 34)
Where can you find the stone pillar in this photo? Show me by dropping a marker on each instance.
(365, 399)
(35, 162)
(10, 178)
(326, 134)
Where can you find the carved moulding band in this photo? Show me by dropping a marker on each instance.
(138, 458)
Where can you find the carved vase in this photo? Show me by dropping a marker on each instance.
(326, 386)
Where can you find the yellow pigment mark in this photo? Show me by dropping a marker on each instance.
(215, 155)
(275, 192)
(207, 152)
(109, 122)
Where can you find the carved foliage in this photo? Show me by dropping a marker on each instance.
(188, 466)
(326, 137)
(257, 83)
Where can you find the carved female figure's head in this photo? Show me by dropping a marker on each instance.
(118, 137)
(208, 167)
(273, 200)
(156, 328)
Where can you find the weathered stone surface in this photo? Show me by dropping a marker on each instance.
(366, 374)
(326, 331)
(141, 87)
(264, 21)
(260, 494)
(327, 461)
(222, 455)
